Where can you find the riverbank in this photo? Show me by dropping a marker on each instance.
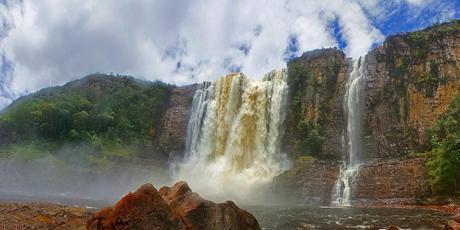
(34, 215)
(37, 215)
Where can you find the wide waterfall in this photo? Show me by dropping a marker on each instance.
(351, 165)
(234, 134)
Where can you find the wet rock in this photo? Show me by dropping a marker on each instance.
(173, 129)
(384, 181)
(199, 213)
(143, 209)
(310, 182)
(171, 208)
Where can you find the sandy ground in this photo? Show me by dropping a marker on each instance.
(42, 216)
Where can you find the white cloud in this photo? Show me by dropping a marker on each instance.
(53, 41)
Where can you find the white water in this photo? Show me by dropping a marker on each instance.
(234, 135)
(351, 165)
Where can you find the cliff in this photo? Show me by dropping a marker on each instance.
(312, 182)
(315, 120)
(175, 120)
(408, 84)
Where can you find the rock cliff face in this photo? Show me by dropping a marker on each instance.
(173, 131)
(312, 182)
(315, 121)
(409, 82)
(392, 181)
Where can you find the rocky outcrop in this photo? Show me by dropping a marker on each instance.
(312, 182)
(409, 82)
(315, 120)
(175, 120)
(392, 181)
(143, 209)
(171, 208)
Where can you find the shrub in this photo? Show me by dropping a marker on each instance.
(444, 157)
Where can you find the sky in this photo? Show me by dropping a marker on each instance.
(49, 42)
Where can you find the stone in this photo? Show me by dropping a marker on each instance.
(318, 103)
(171, 208)
(310, 182)
(399, 100)
(199, 213)
(173, 130)
(380, 182)
(143, 209)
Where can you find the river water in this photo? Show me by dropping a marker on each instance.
(301, 217)
(347, 218)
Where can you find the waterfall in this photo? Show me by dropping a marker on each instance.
(351, 164)
(234, 133)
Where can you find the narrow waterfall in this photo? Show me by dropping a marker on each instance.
(234, 133)
(351, 164)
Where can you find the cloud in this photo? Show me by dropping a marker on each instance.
(50, 42)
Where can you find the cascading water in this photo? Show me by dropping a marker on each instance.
(351, 165)
(234, 134)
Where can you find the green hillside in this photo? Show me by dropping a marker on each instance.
(92, 120)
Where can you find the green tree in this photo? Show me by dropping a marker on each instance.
(444, 157)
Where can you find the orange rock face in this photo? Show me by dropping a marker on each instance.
(171, 208)
(143, 209)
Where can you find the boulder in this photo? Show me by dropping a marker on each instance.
(143, 209)
(174, 207)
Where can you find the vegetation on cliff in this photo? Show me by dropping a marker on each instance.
(416, 66)
(313, 84)
(92, 119)
(310, 140)
(444, 157)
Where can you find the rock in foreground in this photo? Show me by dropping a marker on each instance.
(31, 215)
(171, 208)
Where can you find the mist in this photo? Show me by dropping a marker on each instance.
(57, 180)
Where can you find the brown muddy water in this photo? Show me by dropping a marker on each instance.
(275, 217)
(286, 218)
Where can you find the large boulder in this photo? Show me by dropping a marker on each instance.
(143, 209)
(174, 207)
